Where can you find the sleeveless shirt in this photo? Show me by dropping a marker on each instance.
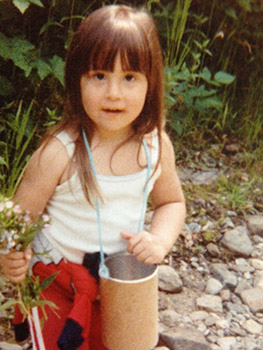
(74, 231)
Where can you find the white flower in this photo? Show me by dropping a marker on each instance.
(9, 205)
(45, 218)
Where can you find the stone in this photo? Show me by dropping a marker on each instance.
(185, 339)
(227, 343)
(253, 298)
(213, 249)
(199, 315)
(227, 278)
(255, 224)
(242, 285)
(210, 303)
(256, 263)
(237, 241)
(252, 327)
(258, 279)
(169, 280)
(213, 286)
(169, 317)
(205, 177)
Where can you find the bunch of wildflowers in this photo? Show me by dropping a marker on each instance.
(17, 231)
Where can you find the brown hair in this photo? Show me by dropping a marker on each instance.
(100, 37)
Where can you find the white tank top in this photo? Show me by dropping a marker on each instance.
(74, 231)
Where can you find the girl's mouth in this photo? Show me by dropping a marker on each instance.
(112, 111)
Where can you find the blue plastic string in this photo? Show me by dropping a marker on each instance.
(103, 269)
(145, 195)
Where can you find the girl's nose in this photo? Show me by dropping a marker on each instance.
(114, 90)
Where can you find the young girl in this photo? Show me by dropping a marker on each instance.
(114, 109)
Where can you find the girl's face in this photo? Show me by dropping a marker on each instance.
(113, 100)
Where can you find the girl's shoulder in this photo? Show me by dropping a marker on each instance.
(61, 144)
(153, 139)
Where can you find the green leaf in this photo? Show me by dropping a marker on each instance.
(205, 74)
(46, 283)
(8, 304)
(205, 104)
(22, 5)
(49, 23)
(36, 2)
(20, 51)
(201, 92)
(43, 68)
(57, 66)
(224, 78)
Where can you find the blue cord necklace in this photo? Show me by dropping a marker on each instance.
(103, 269)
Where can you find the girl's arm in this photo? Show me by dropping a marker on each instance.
(169, 213)
(43, 173)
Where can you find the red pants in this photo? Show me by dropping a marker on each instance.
(73, 292)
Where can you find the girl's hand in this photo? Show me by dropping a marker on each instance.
(147, 247)
(15, 265)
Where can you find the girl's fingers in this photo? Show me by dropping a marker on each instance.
(28, 254)
(15, 265)
(16, 275)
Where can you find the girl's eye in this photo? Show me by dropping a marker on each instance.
(130, 77)
(99, 76)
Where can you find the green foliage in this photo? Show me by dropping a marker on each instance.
(16, 132)
(25, 56)
(172, 20)
(28, 295)
(233, 193)
(192, 95)
(235, 30)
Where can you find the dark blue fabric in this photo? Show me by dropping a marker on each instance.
(21, 331)
(70, 338)
(92, 262)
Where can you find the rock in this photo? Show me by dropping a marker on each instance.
(256, 263)
(210, 303)
(253, 298)
(255, 224)
(252, 327)
(199, 315)
(258, 279)
(213, 249)
(213, 286)
(242, 285)
(221, 273)
(226, 343)
(205, 177)
(237, 241)
(169, 317)
(169, 280)
(185, 339)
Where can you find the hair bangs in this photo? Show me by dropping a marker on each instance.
(131, 47)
